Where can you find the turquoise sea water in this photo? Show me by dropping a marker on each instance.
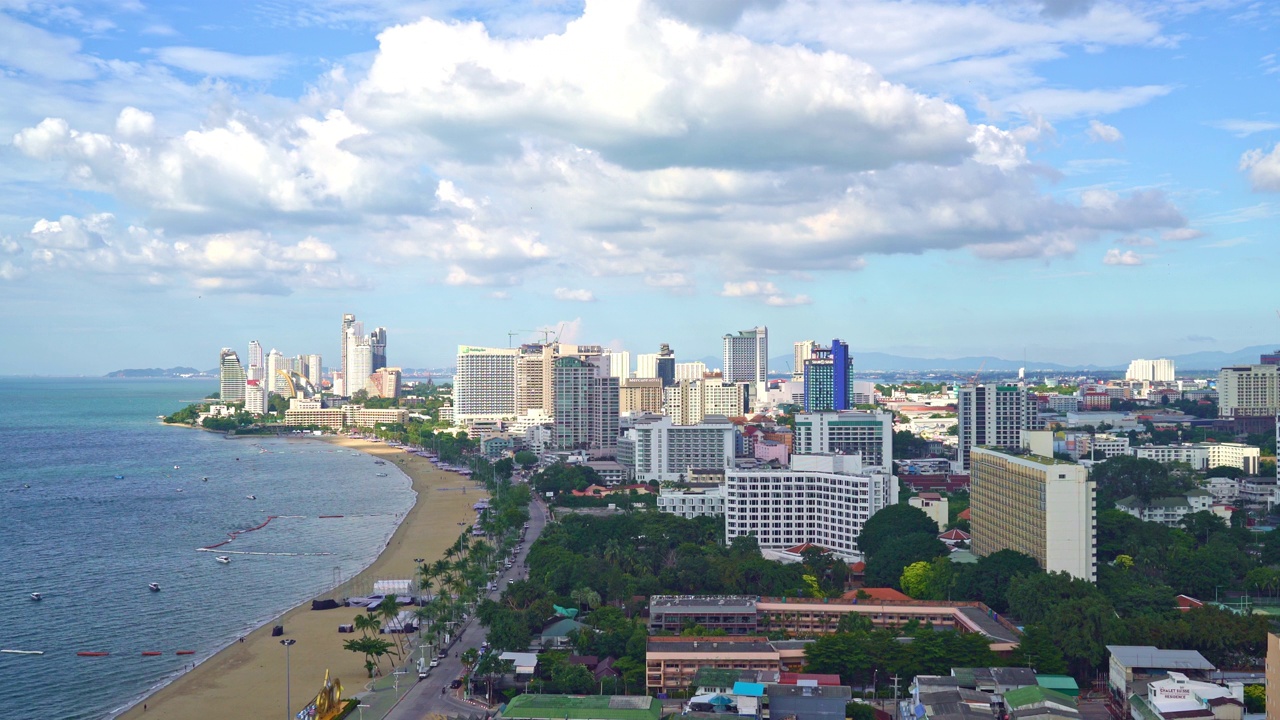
(90, 543)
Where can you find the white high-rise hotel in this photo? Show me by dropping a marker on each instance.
(485, 386)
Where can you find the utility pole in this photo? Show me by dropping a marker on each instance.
(895, 696)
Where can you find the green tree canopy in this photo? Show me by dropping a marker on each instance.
(885, 568)
(1125, 475)
(893, 522)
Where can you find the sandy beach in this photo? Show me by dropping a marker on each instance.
(247, 679)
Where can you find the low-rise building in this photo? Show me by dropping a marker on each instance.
(810, 617)
(1168, 510)
(1203, 456)
(1136, 666)
(734, 614)
(672, 662)
(692, 502)
(808, 702)
(933, 505)
(1178, 697)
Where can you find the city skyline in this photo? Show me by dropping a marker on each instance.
(1082, 182)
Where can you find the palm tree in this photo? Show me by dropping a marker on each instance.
(365, 623)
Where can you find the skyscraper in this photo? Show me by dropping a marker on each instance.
(256, 370)
(485, 386)
(231, 376)
(803, 351)
(586, 403)
(746, 358)
(275, 363)
(665, 365)
(359, 360)
(619, 363)
(255, 397)
(378, 343)
(315, 370)
(869, 434)
(828, 378)
(348, 322)
(1150, 370)
(647, 365)
(992, 415)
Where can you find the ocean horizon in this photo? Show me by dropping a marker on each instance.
(90, 542)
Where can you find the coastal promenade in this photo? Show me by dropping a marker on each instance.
(433, 696)
(247, 679)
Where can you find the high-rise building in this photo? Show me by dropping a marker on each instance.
(851, 432)
(359, 360)
(385, 383)
(586, 403)
(619, 363)
(991, 414)
(315, 371)
(378, 344)
(819, 499)
(746, 356)
(485, 387)
(255, 397)
(665, 365)
(689, 401)
(1249, 391)
(1023, 499)
(647, 365)
(639, 395)
(257, 367)
(695, 370)
(275, 363)
(658, 449)
(1150, 370)
(535, 366)
(803, 351)
(828, 378)
(348, 322)
(231, 376)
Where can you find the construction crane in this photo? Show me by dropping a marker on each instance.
(546, 334)
(974, 380)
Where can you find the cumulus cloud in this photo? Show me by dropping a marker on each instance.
(569, 295)
(1263, 168)
(1102, 132)
(1118, 257)
(9, 246)
(72, 233)
(9, 271)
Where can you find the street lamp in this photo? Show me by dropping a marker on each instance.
(288, 713)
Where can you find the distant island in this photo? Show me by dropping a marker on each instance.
(173, 372)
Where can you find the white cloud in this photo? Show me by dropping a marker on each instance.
(72, 233)
(766, 291)
(1061, 103)
(568, 295)
(1263, 167)
(1136, 241)
(9, 271)
(215, 63)
(1102, 132)
(9, 246)
(1118, 257)
(42, 54)
(1245, 128)
(1181, 234)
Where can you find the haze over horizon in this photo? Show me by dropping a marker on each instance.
(1070, 181)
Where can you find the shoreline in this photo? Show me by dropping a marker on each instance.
(245, 677)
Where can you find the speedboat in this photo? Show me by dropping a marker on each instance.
(36, 596)
(251, 497)
(205, 479)
(224, 559)
(119, 477)
(23, 652)
(155, 587)
(175, 467)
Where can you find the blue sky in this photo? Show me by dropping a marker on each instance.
(1081, 180)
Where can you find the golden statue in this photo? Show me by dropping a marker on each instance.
(328, 703)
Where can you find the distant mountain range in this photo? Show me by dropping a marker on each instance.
(172, 372)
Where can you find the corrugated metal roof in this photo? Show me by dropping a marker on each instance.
(1149, 656)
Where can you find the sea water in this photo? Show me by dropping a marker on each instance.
(91, 542)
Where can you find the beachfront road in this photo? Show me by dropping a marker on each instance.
(433, 694)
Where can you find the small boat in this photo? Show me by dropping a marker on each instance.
(23, 652)
(185, 652)
(155, 587)
(86, 653)
(36, 596)
(119, 477)
(176, 467)
(179, 489)
(224, 559)
(151, 653)
(205, 479)
(251, 497)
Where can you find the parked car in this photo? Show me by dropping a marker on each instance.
(457, 683)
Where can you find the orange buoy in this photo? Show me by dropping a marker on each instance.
(186, 652)
(86, 653)
(151, 653)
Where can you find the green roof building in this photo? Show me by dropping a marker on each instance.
(582, 707)
(1064, 684)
